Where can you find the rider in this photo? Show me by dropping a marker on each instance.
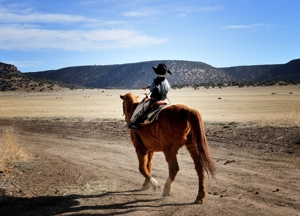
(159, 90)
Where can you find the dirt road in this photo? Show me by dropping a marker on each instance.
(90, 168)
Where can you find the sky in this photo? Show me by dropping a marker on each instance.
(38, 35)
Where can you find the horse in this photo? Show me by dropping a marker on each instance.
(176, 126)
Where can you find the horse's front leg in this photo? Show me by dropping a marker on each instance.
(145, 167)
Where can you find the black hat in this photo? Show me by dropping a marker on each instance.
(162, 70)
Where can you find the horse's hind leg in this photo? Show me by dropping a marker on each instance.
(147, 183)
(173, 170)
(143, 167)
(200, 172)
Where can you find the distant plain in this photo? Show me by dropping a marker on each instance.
(276, 105)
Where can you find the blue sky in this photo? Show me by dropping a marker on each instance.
(38, 35)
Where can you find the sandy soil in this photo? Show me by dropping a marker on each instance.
(83, 163)
(85, 168)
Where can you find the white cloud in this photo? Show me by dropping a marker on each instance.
(20, 38)
(184, 11)
(181, 10)
(189, 9)
(27, 16)
(211, 8)
(142, 13)
(18, 15)
(250, 26)
(26, 29)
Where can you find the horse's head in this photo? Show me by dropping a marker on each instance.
(129, 104)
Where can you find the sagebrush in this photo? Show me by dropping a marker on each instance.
(10, 149)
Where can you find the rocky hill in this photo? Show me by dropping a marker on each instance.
(247, 73)
(135, 75)
(288, 71)
(11, 79)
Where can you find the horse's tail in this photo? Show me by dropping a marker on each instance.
(199, 137)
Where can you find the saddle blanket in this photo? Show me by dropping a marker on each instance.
(146, 114)
(153, 114)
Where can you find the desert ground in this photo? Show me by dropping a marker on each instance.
(78, 158)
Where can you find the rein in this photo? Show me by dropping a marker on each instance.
(127, 121)
(169, 100)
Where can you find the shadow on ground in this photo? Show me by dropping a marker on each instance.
(54, 205)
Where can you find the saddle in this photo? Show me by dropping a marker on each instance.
(144, 113)
(152, 114)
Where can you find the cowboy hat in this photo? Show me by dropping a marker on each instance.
(162, 71)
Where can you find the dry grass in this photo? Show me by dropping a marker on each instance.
(11, 151)
(258, 105)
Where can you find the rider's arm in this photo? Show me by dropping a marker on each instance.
(151, 87)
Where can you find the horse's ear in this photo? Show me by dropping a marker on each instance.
(122, 97)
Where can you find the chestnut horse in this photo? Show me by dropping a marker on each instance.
(177, 125)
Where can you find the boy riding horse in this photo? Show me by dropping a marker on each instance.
(159, 90)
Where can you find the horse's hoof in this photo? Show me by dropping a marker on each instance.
(166, 192)
(200, 197)
(155, 187)
(145, 187)
(198, 201)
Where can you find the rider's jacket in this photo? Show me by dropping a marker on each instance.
(159, 88)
